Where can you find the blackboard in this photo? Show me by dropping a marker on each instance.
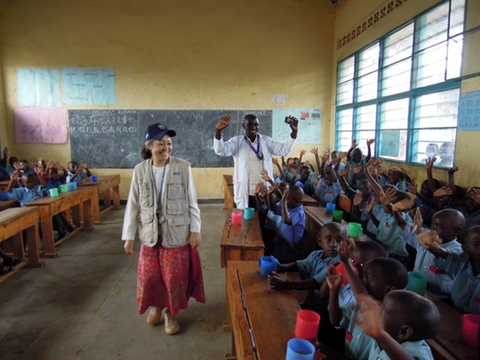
(112, 138)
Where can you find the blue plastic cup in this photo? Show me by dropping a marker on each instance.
(267, 265)
(72, 186)
(248, 213)
(3, 196)
(93, 178)
(300, 349)
(330, 208)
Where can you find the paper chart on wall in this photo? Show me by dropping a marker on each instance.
(469, 111)
(35, 125)
(309, 125)
(88, 86)
(38, 87)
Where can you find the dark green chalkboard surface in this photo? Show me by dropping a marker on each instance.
(112, 138)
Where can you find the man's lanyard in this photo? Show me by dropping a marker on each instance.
(257, 152)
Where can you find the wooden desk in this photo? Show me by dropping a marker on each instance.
(4, 185)
(307, 200)
(7, 204)
(48, 206)
(12, 222)
(104, 185)
(261, 316)
(228, 202)
(315, 218)
(241, 242)
(448, 344)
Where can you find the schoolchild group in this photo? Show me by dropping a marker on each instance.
(436, 233)
(31, 181)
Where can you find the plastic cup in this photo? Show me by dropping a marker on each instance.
(3, 196)
(63, 188)
(248, 213)
(337, 215)
(470, 324)
(300, 349)
(237, 217)
(354, 229)
(93, 178)
(267, 265)
(330, 208)
(417, 282)
(306, 326)
(72, 186)
(53, 193)
(341, 269)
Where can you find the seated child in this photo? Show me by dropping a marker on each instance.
(355, 158)
(398, 178)
(54, 180)
(306, 182)
(312, 271)
(287, 244)
(399, 327)
(33, 190)
(380, 276)
(76, 174)
(471, 211)
(360, 200)
(448, 225)
(328, 187)
(424, 199)
(464, 267)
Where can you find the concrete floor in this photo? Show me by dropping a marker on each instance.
(82, 306)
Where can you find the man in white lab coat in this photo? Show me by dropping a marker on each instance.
(252, 153)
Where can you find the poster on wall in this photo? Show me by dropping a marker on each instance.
(469, 111)
(37, 125)
(88, 86)
(38, 87)
(309, 125)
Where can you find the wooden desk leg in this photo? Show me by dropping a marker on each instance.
(33, 247)
(106, 198)
(87, 216)
(96, 207)
(47, 236)
(116, 197)
(77, 221)
(17, 244)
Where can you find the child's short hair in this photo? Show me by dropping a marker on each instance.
(391, 270)
(472, 230)
(332, 225)
(372, 247)
(305, 167)
(418, 312)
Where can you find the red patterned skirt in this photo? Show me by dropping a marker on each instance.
(168, 277)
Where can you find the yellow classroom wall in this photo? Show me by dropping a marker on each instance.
(351, 13)
(183, 54)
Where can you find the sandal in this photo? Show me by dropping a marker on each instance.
(13, 261)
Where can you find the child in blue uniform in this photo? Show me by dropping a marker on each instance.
(76, 174)
(380, 276)
(471, 211)
(448, 225)
(400, 325)
(307, 183)
(355, 158)
(33, 190)
(464, 267)
(328, 187)
(312, 270)
(287, 245)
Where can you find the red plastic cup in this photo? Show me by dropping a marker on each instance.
(237, 217)
(470, 323)
(306, 326)
(341, 269)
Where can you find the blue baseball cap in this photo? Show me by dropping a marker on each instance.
(157, 132)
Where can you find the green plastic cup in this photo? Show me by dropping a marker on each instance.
(417, 282)
(354, 229)
(337, 215)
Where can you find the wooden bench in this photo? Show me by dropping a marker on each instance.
(263, 320)
(448, 344)
(109, 187)
(315, 218)
(345, 204)
(75, 201)
(12, 222)
(228, 202)
(7, 204)
(241, 242)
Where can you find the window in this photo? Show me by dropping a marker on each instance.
(404, 89)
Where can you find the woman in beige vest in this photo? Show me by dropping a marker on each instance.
(162, 206)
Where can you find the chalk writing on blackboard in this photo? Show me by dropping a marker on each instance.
(469, 111)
